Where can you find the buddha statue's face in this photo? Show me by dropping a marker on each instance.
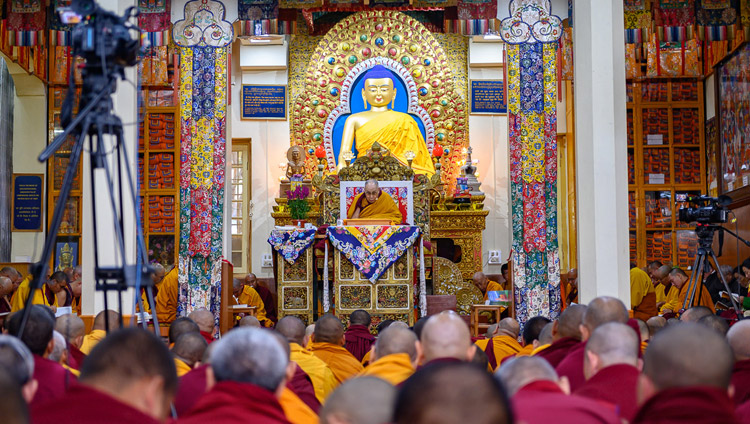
(378, 92)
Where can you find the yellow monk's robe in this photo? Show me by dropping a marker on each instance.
(399, 133)
(323, 380)
(342, 363)
(642, 295)
(296, 411)
(502, 346)
(90, 340)
(672, 301)
(492, 286)
(166, 299)
(526, 350)
(41, 297)
(539, 349)
(394, 368)
(700, 299)
(366, 358)
(182, 367)
(250, 297)
(73, 371)
(661, 294)
(383, 208)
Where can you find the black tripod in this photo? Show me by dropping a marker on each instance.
(94, 121)
(705, 234)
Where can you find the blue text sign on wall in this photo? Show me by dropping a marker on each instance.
(264, 102)
(488, 97)
(27, 202)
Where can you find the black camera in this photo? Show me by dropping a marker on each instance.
(706, 210)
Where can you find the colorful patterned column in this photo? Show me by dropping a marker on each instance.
(204, 38)
(531, 34)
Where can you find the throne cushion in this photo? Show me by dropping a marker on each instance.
(400, 191)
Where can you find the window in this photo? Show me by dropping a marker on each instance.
(240, 206)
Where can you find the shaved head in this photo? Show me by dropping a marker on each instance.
(360, 317)
(6, 286)
(446, 335)
(71, 327)
(446, 393)
(204, 318)
(508, 327)
(688, 355)
(715, 322)
(362, 400)
(610, 344)
(181, 326)
(522, 370)
(328, 329)
(292, 328)
(568, 325)
(738, 337)
(491, 330)
(396, 340)
(545, 337)
(662, 271)
(695, 313)
(602, 310)
(533, 328)
(100, 321)
(250, 321)
(655, 324)
(190, 347)
(643, 329)
(309, 330)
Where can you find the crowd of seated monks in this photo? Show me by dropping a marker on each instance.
(592, 364)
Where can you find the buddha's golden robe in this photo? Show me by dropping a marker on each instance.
(399, 133)
(383, 208)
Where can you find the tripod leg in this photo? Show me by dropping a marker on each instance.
(697, 266)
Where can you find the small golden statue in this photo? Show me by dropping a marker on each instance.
(296, 166)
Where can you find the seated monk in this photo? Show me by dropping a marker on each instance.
(686, 375)
(166, 298)
(501, 341)
(374, 203)
(46, 296)
(539, 396)
(180, 326)
(323, 380)
(100, 329)
(452, 392)
(680, 280)
(569, 288)
(446, 337)
(531, 332)
(265, 295)
(53, 379)
(246, 390)
(739, 339)
(128, 378)
(17, 360)
(395, 356)
(327, 343)
(60, 352)
(544, 341)
(249, 321)
(297, 398)
(566, 334)
(188, 351)
(205, 321)
(642, 295)
(246, 295)
(362, 400)
(6, 290)
(485, 285)
(357, 336)
(611, 361)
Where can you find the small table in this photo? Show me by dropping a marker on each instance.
(497, 310)
(247, 310)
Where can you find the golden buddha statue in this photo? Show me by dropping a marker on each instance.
(296, 165)
(395, 131)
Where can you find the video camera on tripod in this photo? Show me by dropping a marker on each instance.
(707, 210)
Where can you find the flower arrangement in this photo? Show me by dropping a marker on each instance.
(297, 201)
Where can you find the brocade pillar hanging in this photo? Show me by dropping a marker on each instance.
(531, 34)
(204, 38)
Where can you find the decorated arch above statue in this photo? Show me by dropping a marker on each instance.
(348, 96)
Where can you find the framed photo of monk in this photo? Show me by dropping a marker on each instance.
(402, 192)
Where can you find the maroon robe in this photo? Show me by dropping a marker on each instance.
(53, 380)
(268, 303)
(743, 413)
(68, 295)
(358, 340)
(231, 402)
(741, 381)
(4, 305)
(208, 336)
(190, 388)
(616, 385)
(543, 402)
(558, 350)
(572, 366)
(85, 405)
(302, 386)
(75, 357)
(685, 405)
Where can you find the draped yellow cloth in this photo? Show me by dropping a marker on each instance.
(383, 208)
(672, 301)
(393, 368)
(323, 380)
(492, 286)
(296, 411)
(502, 346)
(18, 301)
(661, 294)
(342, 363)
(182, 367)
(526, 350)
(399, 133)
(166, 299)
(90, 340)
(250, 297)
(540, 348)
